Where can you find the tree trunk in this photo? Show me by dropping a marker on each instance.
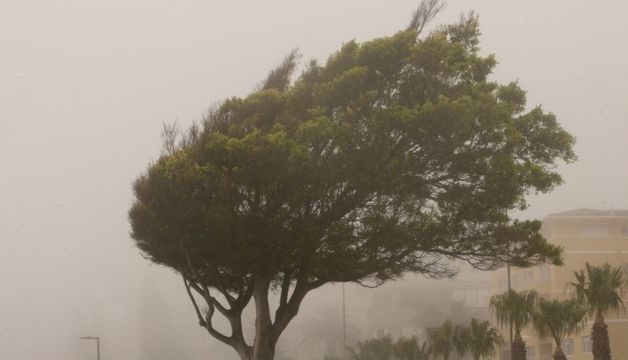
(264, 352)
(518, 348)
(264, 345)
(559, 354)
(599, 337)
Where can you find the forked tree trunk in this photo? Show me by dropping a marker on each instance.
(518, 348)
(599, 337)
(559, 354)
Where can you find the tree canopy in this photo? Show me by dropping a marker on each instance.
(396, 155)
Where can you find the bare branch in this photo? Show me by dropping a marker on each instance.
(201, 320)
(287, 311)
(206, 321)
(426, 12)
(169, 136)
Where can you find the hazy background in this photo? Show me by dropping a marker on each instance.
(85, 87)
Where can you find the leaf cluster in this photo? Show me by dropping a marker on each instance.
(385, 349)
(559, 319)
(600, 288)
(478, 338)
(516, 308)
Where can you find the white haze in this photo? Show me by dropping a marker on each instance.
(86, 85)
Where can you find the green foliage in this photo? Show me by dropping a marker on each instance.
(559, 319)
(447, 339)
(410, 349)
(386, 349)
(478, 338)
(600, 288)
(482, 339)
(395, 156)
(392, 155)
(516, 308)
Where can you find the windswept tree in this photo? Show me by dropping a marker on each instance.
(397, 155)
(448, 339)
(600, 289)
(515, 309)
(482, 339)
(559, 319)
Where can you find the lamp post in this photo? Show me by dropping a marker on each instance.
(97, 343)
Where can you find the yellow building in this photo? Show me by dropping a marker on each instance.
(595, 236)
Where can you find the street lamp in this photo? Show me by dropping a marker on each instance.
(97, 343)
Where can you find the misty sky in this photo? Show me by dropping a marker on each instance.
(85, 87)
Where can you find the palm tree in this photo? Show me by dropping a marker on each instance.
(600, 289)
(559, 319)
(482, 339)
(515, 309)
(409, 349)
(447, 339)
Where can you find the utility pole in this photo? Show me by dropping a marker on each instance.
(344, 325)
(509, 288)
(97, 344)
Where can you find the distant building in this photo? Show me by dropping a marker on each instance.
(595, 236)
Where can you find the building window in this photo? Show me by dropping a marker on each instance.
(587, 344)
(530, 353)
(529, 276)
(594, 232)
(544, 272)
(568, 347)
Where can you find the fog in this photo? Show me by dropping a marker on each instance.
(85, 87)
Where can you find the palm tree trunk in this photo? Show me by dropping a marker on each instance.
(559, 354)
(599, 336)
(518, 348)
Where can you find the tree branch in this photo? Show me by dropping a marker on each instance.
(221, 287)
(287, 311)
(427, 10)
(206, 321)
(285, 287)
